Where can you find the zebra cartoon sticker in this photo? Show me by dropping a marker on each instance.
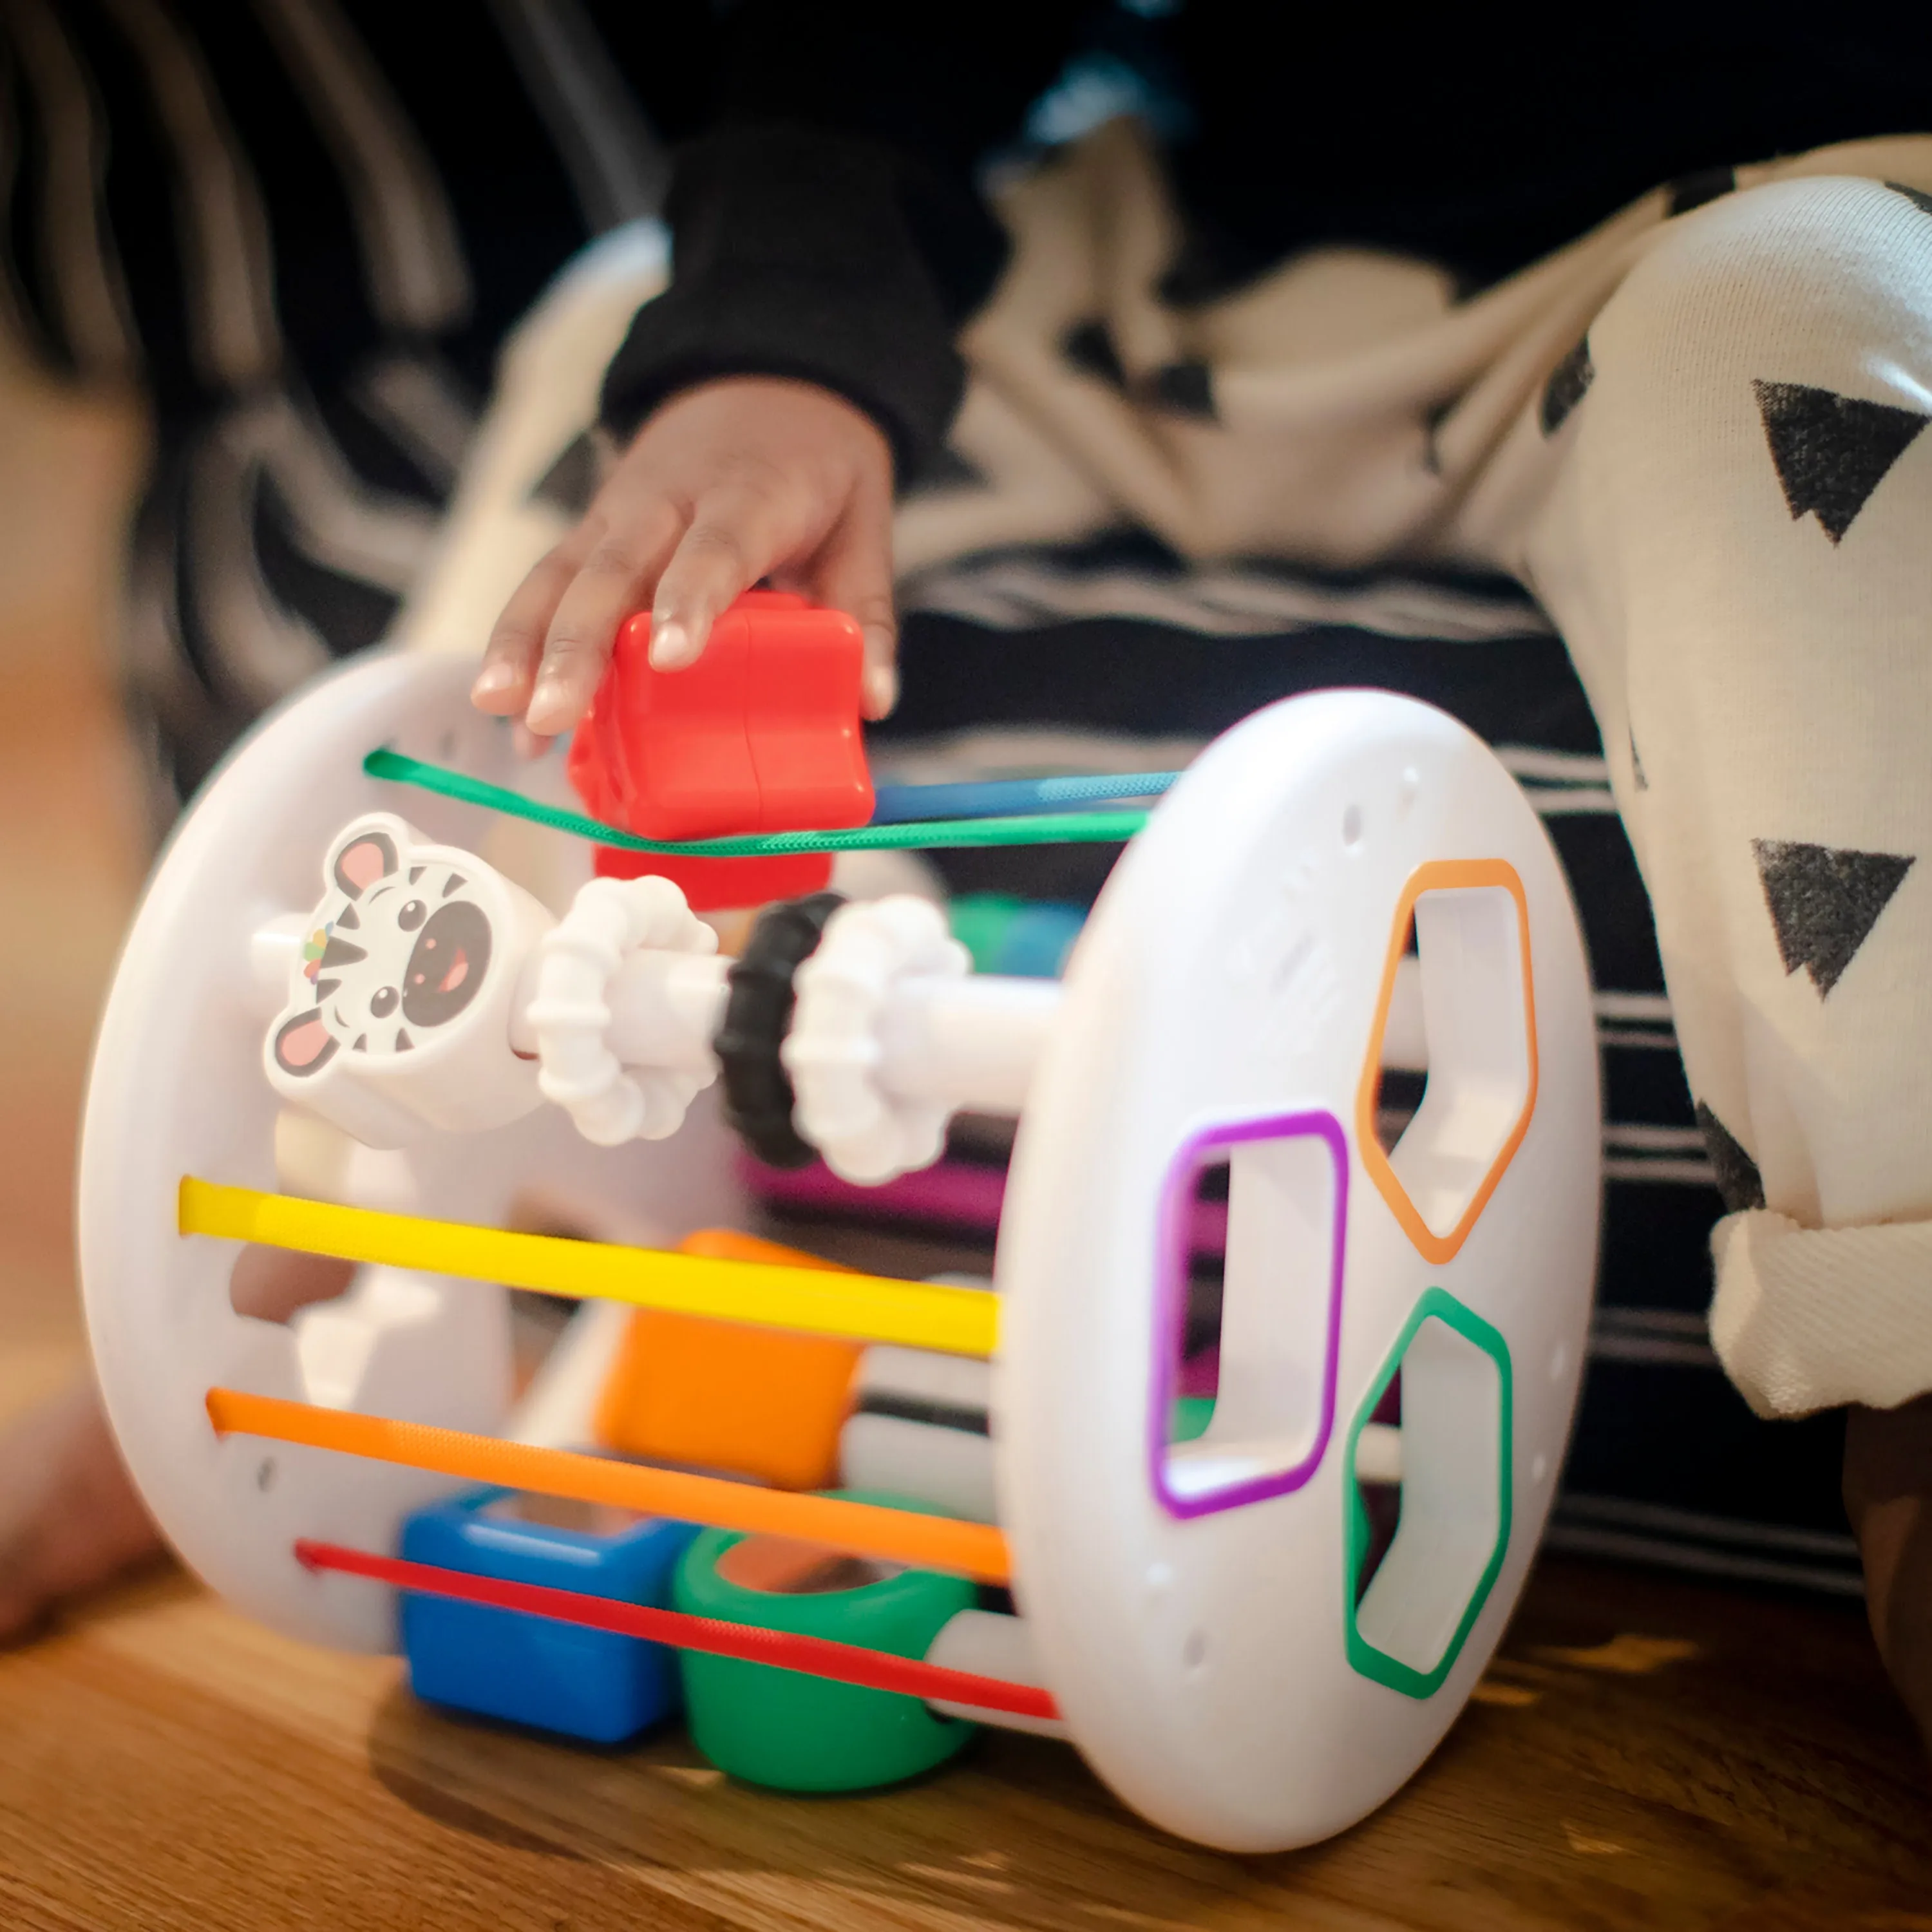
(398, 1014)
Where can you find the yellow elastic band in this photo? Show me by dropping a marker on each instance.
(862, 1307)
(897, 1536)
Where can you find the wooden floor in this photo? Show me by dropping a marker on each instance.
(1645, 1753)
(1642, 1755)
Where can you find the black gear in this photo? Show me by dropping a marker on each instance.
(758, 1096)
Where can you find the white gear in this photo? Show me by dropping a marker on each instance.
(833, 1051)
(570, 1015)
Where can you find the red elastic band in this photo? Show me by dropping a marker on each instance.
(784, 1650)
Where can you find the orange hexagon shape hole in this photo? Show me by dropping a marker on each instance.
(1469, 995)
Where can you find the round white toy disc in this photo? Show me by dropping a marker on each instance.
(1194, 1604)
(179, 1088)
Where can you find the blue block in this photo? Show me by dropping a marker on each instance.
(588, 1684)
(1035, 944)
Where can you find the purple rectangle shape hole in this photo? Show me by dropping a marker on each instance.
(1172, 1235)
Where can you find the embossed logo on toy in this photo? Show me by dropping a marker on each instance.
(398, 1013)
(1291, 958)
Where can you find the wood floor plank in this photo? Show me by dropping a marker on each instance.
(1663, 1756)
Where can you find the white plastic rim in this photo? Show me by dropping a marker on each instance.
(177, 1088)
(1205, 1646)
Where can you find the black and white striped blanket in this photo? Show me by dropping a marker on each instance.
(1115, 656)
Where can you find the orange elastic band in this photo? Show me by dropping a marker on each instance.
(898, 1536)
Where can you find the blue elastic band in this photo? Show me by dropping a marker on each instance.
(1010, 798)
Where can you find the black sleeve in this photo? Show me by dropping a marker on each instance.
(828, 226)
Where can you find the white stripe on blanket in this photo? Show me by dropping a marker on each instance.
(1216, 601)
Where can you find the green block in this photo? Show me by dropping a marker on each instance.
(1190, 1417)
(793, 1733)
(980, 921)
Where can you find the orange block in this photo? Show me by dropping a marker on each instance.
(720, 1395)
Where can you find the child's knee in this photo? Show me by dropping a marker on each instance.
(1807, 278)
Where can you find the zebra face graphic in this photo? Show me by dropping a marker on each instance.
(401, 1009)
(401, 948)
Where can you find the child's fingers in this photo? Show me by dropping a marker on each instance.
(739, 531)
(775, 475)
(502, 684)
(632, 542)
(854, 573)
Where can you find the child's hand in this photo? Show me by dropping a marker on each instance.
(748, 478)
(70, 1519)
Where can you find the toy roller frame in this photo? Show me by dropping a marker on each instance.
(1199, 1617)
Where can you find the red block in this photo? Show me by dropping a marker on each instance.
(760, 735)
(713, 885)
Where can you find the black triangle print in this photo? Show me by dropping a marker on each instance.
(571, 482)
(1090, 348)
(1432, 420)
(1919, 198)
(1738, 1180)
(1832, 451)
(1689, 191)
(1565, 388)
(1824, 903)
(1184, 389)
(946, 469)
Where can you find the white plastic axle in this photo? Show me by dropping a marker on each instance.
(955, 1043)
(274, 951)
(989, 1643)
(960, 1043)
(971, 1042)
(665, 1008)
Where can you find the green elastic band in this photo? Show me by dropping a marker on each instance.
(1050, 828)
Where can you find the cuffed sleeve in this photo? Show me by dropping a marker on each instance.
(795, 256)
(1807, 1318)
